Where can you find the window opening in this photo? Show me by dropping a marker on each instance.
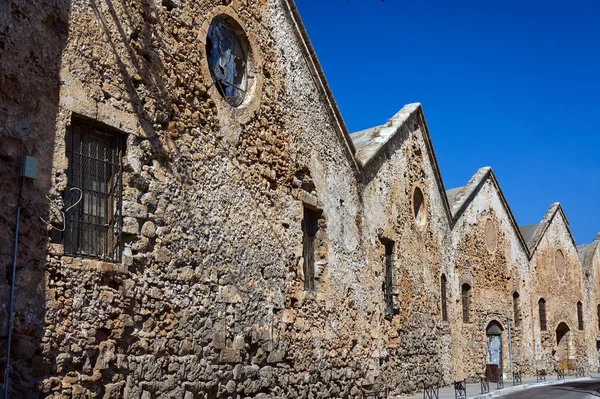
(310, 227)
(598, 311)
(542, 310)
(444, 304)
(419, 206)
(93, 194)
(227, 61)
(580, 315)
(388, 284)
(466, 288)
(516, 309)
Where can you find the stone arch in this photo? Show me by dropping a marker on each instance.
(493, 367)
(565, 351)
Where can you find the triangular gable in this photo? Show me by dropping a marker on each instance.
(371, 142)
(319, 77)
(587, 251)
(462, 197)
(542, 227)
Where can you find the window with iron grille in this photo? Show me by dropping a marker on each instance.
(310, 227)
(580, 315)
(444, 304)
(598, 311)
(388, 283)
(466, 289)
(93, 218)
(516, 308)
(542, 310)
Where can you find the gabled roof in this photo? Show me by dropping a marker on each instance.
(369, 144)
(459, 199)
(528, 231)
(586, 252)
(320, 81)
(537, 231)
(370, 141)
(452, 194)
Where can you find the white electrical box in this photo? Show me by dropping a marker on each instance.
(29, 167)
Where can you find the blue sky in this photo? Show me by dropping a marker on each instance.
(503, 84)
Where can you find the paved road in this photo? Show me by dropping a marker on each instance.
(568, 390)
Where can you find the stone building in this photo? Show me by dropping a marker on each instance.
(203, 225)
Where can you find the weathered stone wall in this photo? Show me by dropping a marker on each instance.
(32, 37)
(547, 280)
(489, 256)
(591, 269)
(414, 339)
(209, 299)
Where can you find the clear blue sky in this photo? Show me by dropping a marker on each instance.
(504, 84)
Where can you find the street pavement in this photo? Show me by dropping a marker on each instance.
(578, 388)
(569, 390)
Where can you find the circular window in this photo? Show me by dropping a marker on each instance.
(419, 206)
(559, 263)
(227, 60)
(491, 235)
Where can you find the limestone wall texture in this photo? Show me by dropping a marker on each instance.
(556, 268)
(208, 299)
(489, 256)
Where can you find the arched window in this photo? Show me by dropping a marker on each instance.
(466, 288)
(580, 315)
(542, 308)
(444, 306)
(516, 308)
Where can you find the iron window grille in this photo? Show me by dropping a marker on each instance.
(93, 198)
(580, 315)
(542, 309)
(598, 311)
(227, 62)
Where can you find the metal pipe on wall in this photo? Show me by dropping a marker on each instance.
(12, 292)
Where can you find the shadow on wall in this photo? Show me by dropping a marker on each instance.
(33, 35)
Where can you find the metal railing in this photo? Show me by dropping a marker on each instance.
(540, 375)
(460, 389)
(431, 392)
(517, 378)
(485, 385)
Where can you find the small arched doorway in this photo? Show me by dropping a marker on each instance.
(564, 346)
(493, 367)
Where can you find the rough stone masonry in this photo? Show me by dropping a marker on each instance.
(203, 225)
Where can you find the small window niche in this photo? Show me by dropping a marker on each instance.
(418, 205)
(516, 310)
(444, 294)
(466, 301)
(580, 315)
(542, 312)
(388, 283)
(229, 59)
(310, 228)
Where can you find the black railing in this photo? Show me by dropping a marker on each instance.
(500, 382)
(485, 385)
(431, 392)
(517, 378)
(376, 394)
(540, 375)
(460, 389)
(580, 372)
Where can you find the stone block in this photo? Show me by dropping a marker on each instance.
(230, 355)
